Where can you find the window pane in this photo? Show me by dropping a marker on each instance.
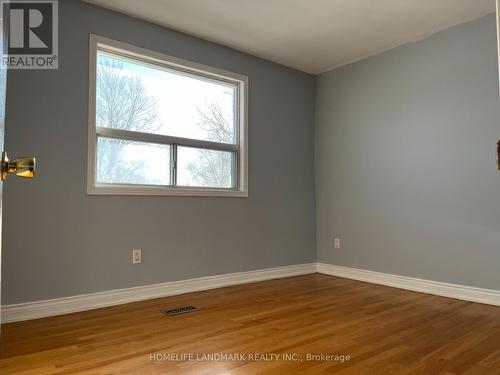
(128, 162)
(207, 168)
(134, 96)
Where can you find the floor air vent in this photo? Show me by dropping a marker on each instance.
(180, 310)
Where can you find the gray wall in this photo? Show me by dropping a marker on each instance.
(405, 160)
(59, 241)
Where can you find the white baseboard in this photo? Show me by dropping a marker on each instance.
(461, 292)
(58, 306)
(40, 309)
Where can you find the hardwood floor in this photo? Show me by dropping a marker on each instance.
(383, 330)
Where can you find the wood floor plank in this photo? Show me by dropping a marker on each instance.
(383, 330)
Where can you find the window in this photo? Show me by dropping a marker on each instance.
(163, 126)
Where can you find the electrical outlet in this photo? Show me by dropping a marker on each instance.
(136, 256)
(336, 243)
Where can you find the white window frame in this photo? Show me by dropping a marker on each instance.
(99, 43)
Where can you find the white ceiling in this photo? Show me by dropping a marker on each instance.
(309, 35)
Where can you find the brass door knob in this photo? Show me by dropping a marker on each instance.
(22, 167)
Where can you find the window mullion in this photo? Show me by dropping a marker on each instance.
(164, 139)
(173, 164)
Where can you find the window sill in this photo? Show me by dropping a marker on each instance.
(165, 191)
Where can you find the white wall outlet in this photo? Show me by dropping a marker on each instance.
(336, 243)
(136, 256)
